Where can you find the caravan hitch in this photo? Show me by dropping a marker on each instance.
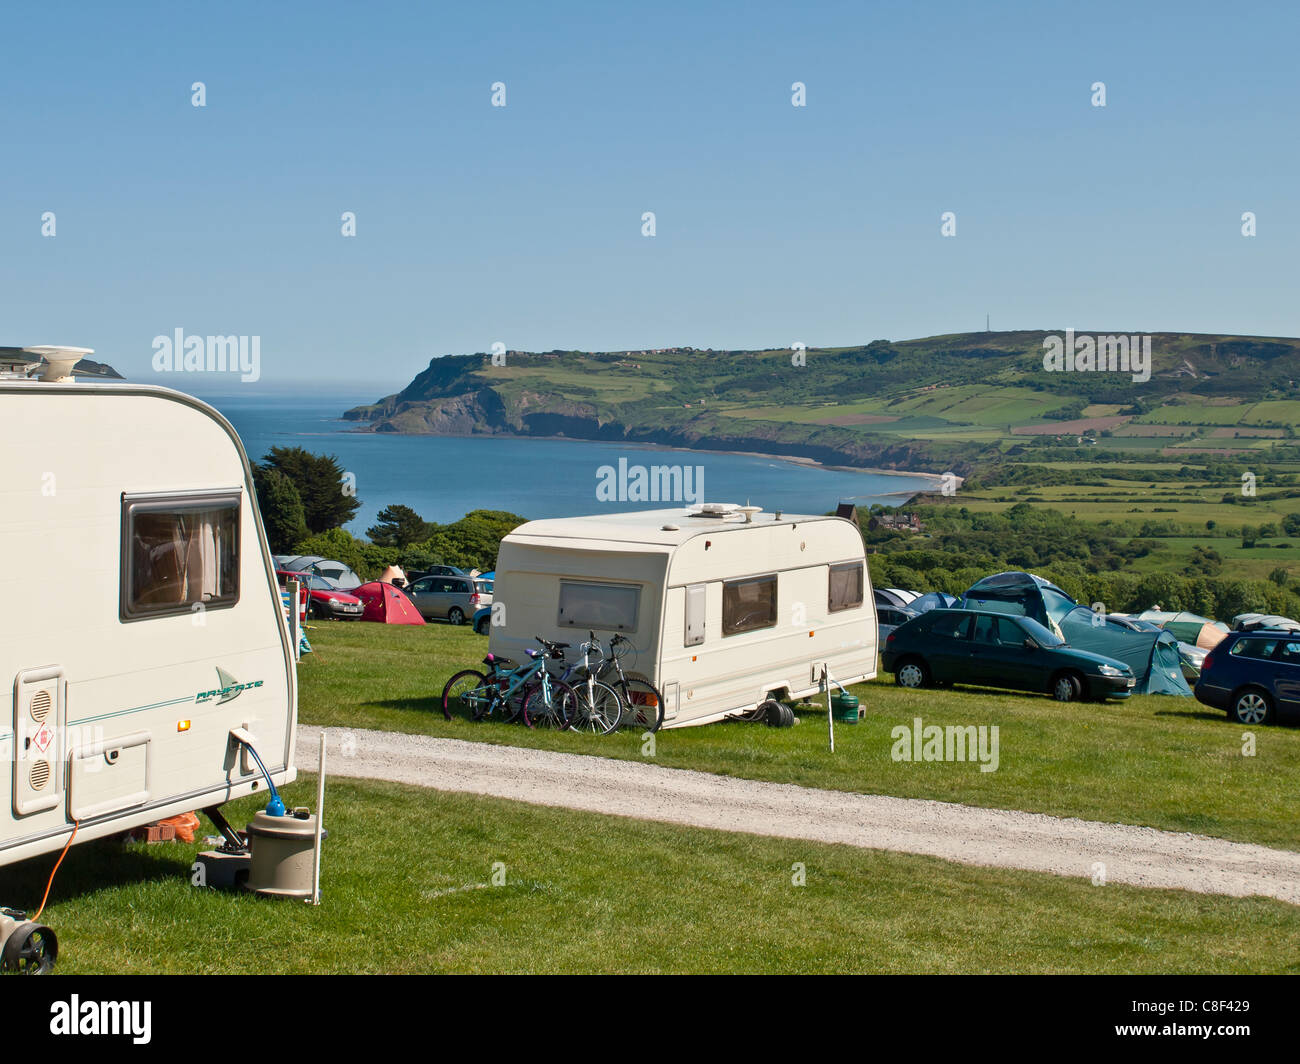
(235, 843)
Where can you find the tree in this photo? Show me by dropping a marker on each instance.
(473, 541)
(1279, 576)
(320, 482)
(281, 506)
(1291, 524)
(1249, 535)
(399, 526)
(338, 545)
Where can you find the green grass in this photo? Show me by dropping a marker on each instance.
(1246, 563)
(406, 889)
(1159, 761)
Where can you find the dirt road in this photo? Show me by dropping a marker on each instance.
(995, 837)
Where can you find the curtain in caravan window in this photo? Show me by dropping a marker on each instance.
(846, 586)
(178, 555)
(748, 605)
(200, 536)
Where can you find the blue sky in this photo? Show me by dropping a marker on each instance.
(522, 224)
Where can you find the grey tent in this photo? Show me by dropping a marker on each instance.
(1153, 656)
(1245, 621)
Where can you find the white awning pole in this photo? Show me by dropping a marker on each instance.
(295, 622)
(320, 823)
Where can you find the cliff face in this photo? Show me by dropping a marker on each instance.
(922, 405)
(484, 412)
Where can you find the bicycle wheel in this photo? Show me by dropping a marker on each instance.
(599, 708)
(645, 705)
(465, 692)
(558, 713)
(509, 707)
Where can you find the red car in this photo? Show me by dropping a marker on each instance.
(326, 600)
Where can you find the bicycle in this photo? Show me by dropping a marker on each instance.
(600, 707)
(542, 698)
(643, 705)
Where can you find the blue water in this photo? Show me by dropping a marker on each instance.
(444, 477)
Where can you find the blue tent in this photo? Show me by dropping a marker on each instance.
(934, 600)
(1153, 656)
(1022, 594)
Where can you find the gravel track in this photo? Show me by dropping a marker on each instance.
(993, 837)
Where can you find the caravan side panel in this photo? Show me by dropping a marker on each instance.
(787, 569)
(147, 699)
(530, 581)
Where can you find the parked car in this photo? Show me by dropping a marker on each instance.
(943, 647)
(890, 617)
(1254, 676)
(434, 570)
(451, 597)
(483, 619)
(325, 599)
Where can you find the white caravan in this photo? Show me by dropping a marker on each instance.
(142, 622)
(725, 606)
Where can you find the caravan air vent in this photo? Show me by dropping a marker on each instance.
(40, 775)
(40, 706)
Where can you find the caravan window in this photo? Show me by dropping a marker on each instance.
(610, 607)
(748, 605)
(846, 587)
(178, 553)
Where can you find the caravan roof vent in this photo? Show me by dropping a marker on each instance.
(59, 361)
(716, 510)
(51, 364)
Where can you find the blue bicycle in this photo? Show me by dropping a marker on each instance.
(527, 691)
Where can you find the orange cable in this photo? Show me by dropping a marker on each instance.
(75, 825)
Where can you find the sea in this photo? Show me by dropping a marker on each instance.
(444, 477)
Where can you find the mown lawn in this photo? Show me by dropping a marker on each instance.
(408, 888)
(1158, 761)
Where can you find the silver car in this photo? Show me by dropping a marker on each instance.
(449, 597)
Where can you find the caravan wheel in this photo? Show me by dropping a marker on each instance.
(31, 949)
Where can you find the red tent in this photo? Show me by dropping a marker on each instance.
(387, 604)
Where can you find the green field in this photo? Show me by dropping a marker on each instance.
(407, 888)
(1159, 761)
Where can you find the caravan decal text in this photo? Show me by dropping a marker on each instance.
(230, 688)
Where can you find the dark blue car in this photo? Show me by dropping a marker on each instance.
(1254, 677)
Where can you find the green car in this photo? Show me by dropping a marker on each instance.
(943, 647)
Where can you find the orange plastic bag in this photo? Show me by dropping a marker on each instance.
(185, 825)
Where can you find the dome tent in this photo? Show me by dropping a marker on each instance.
(1153, 656)
(387, 604)
(1189, 627)
(934, 600)
(1022, 594)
